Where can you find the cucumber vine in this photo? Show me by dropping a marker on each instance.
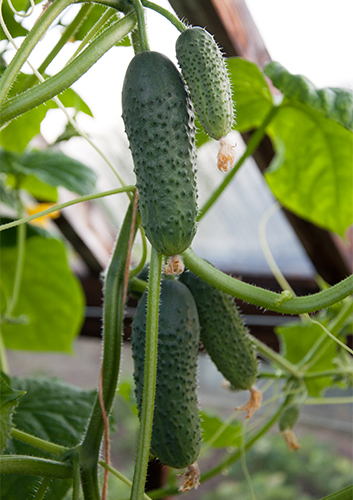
(158, 112)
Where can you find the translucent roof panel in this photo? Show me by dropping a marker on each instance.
(228, 235)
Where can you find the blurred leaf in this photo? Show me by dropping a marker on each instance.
(8, 238)
(13, 25)
(126, 392)
(211, 424)
(18, 133)
(334, 103)
(251, 95)
(312, 174)
(297, 338)
(346, 494)
(9, 399)
(39, 190)
(7, 196)
(93, 17)
(52, 168)
(50, 297)
(51, 410)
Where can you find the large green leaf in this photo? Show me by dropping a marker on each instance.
(50, 297)
(51, 410)
(334, 103)
(18, 133)
(212, 424)
(297, 338)
(12, 25)
(52, 168)
(9, 399)
(312, 173)
(251, 95)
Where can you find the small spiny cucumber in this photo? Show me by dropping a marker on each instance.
(223, 333)
(159, 123)
(176, 431)
(286, 423)
(204, 70)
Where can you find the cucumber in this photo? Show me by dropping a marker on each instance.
(159, 123)
(176, 434)
(204, 70)
(223, 333)
(289, 417)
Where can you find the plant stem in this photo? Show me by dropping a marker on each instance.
(21, 246)
(60, 206)
(320, 346)
(253, 143)
(65, 37)
(180, 26)
(276, 358)
(43, 488)
(134, 272)
(150, 375)
(140, 12)
(265, 298)
(31, 40)
(34, 466)
(328, 373)
(69, 74)
(120, 476)
(39, 443)
(113, 314)
(328, 401)
(93, 31)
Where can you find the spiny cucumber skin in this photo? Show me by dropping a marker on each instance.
(176, 434)
(223, 333)
(204, 70)
(159, 122)
(289, 417)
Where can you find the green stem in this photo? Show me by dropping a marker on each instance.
(65, 37)
(328, 373)
(48, 211)
(21, 246)
(328, 401)
(253, 143)
(150, 375)
(76, 477)
(31, 40)
(43, 488)
(137, 285)
(134, 272)
(140, 12)
(34, 466)
(120, 476)
(39, 443)
(265, 298)
(320, 346)
(180, 26)
(4, 366)
(69, 74)
(93, 31)
(276, 358)
(113, 315)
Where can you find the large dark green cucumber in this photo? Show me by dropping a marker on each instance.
(176, 427)
(158, 119)
(203, 68)
(223, 333)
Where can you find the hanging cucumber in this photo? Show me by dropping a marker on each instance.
(286, 423)
(204, 70)
(225, 337)
(176, 427)
(158, 118)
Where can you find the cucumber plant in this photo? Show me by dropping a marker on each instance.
(171, 316)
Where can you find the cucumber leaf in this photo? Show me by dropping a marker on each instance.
(312, 174)
(345, 494)
(335, 103)
(297, 338)
(51, 410)
(51, 298)
(251, 94)
(211, 424)
(52, 168)
(9, 399)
